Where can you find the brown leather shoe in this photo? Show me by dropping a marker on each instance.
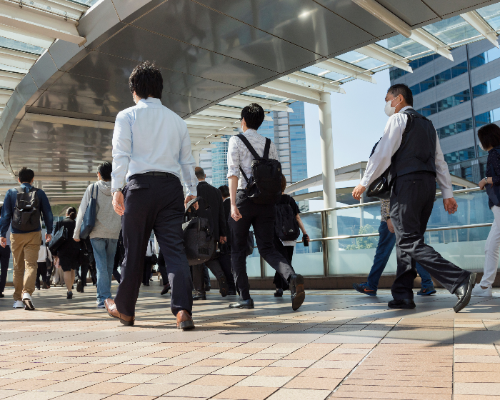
(184, 321)
(113, 312)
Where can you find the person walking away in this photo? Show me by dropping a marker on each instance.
(104, 235)
(286, 207)
(43, 274)
(69, 252)
(489, 138)
(152, 199)
(86, 258)
(4, 260)
(410, 147)
(225, 249)
(242, 151)
(386, 242)
(212, 199)
(22, 209)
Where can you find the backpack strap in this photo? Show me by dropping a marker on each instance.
(249, 146)
(266, 149)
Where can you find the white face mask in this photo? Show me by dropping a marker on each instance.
(389, 110)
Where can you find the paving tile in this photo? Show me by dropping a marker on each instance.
(107, 387)
(313, 383)
(265, 381)
(150, 389)
(237, 370)
(219, 380)
(246, 393)
(473, 389)
(300, 394)
(196, 391)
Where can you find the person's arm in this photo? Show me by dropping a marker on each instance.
(301, 225)
(233, 165)
(6, 218)
(187, 163)
(222, 221)
(381, 158)
(81, 212)
(47, 214)
(444, 179)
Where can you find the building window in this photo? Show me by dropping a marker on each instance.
(467, 173)
(484, 58)
(487, 117)
(455, 128)
(486, 87)
(458, 156)
(446, 103)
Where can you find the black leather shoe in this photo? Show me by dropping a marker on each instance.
(296, 283)
(278, 293)
(166, 288)
(223, 286)
(405, 304)
(463, 292)
(242, 304)
(79, 286)
(199, 296)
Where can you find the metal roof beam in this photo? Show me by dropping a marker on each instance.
(322, 84)
(400, 26)
(68, 121)
(40, 23)
(386, 56)
(10, 79)
(21, 35)
(477, 22)
(18, 59)
(344, 68)
(243, 101)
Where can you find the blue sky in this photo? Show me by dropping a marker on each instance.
(358, 123)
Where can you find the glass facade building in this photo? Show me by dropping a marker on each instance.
(458, 97)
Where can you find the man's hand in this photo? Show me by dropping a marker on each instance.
(358, 191)
(48, 237)
(390, 226)
(450, 205)
(482, 184)
(76, 240)
(235, 213)
(222, 239)
(3, 241)
(188, 199)
(118, 203)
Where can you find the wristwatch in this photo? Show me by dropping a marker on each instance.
(113, 191)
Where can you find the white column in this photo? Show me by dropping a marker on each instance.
(329, 189)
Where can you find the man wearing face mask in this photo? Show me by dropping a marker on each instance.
(410, 147)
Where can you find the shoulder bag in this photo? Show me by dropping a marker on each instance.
(90, 216)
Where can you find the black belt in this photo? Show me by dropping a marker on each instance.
(154, 173)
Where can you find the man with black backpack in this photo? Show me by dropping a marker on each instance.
(254, 175)
(22, 209)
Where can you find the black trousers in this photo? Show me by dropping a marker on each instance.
(287, 252)
(199, 273)
(262, 218)
(4, 266)
(225, 263)
(412, 200)
(148, 267)
(83, 272)
(42, 273)
(154, 203)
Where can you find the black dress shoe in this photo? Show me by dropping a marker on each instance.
(223, 286)
(278, 293)
(2, 295)
(296, 283)
(463, 292)
(199, 296)
(207, 288)
(79, 286)
(166, 288)
(69, 295)
(406, 304)
(242, 304)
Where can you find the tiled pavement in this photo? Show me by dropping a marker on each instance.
(339, 345)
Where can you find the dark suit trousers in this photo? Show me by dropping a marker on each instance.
(199, 273)
(412, 200)
(225, 263)
(154, 203)
(4, 266)
(262, 218)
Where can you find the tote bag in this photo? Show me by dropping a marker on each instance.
(90, 215)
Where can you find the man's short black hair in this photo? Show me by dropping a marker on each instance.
(224, 190)
(146, 80)
(403, 90)
(25, 175)
(200, 174)
(489, 136)
(105, 170)
(253, 115)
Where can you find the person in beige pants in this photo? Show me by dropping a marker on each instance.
(25, 247)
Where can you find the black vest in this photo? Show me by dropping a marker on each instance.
(418, 147)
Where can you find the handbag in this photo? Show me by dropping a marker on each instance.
(380, 187)
(199, 240)
(89, 218)
(48, 261)
(58, 239)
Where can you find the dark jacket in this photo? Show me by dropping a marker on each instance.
(212, 197)
(69, 248)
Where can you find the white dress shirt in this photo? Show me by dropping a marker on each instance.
(238, 155)
(390, 143)
(150, 137)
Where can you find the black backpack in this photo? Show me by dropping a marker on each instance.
(286, 225)
(26, 216)
(199, 240)
(264, 186)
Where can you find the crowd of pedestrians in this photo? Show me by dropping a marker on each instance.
(136, 214)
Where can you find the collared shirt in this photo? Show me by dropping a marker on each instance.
(390, 143)
(149, 137)
(10, 204)
(238, 155)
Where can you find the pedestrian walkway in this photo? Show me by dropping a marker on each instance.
(339, 345)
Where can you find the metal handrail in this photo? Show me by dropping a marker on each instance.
(444, 228)
(372, 203)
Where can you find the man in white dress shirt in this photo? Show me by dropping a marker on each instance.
(246, 213)
(410, 147)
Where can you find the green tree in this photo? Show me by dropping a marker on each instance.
(364, 242)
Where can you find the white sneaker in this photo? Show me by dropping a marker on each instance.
(18, 304)
(28, 302)
(480, 292)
